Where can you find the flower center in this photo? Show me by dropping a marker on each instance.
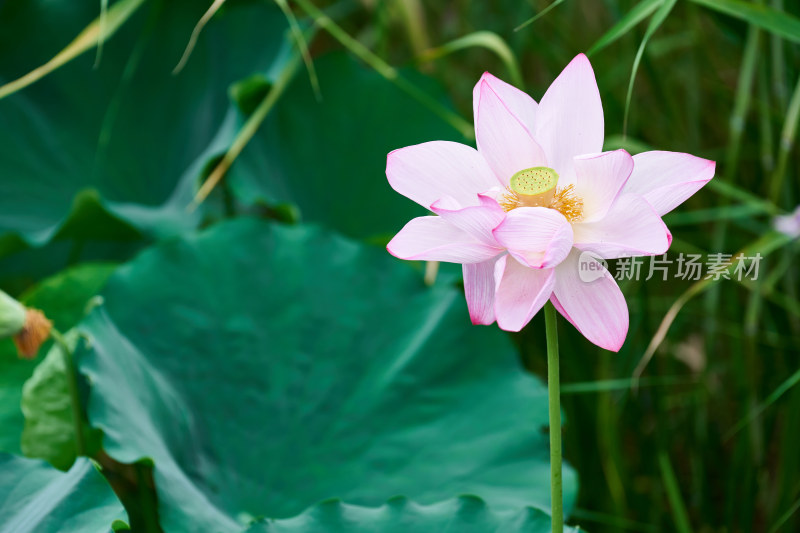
(537, 187)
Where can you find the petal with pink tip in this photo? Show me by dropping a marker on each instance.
(667, 179)
(631, 228)
(428, 171)
(435, 239)
(479, 291)
(596, 308)
(478, 220)
(519, 292)
(569, 119)
(600, 178)
(502, 139)
(518, 102)
(537, 237)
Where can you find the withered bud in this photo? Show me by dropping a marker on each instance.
(33, 334)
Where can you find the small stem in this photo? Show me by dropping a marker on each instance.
(554, 393)
(72, 382)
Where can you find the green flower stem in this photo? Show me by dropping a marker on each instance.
(554, 392)
(72, 381)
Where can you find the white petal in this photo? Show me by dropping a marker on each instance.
(435, 239)
(479, 291)
(667, 179)
(426, 172)
(502, 139)
(478, 220)
(569, 119)
(518, 102)
(537, 237)
(600, 178)
(631, 228)
(596, 308)
(519, 292)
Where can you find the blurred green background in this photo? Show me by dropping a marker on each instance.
(255, 361)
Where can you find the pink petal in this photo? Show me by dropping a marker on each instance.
(632, 227)
(667, 179)
(600, 178)
(435, 239)
(518, 102)
(537, 237)
(502, 139)
(479, 291)
(428, 171)
(596, 308)
(519, 292)
(478, 221)
(569, 120)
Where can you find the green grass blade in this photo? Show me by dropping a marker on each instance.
(766, 138)
(536, 17)
(633, 17)
(658, 18)
(712, 214)
(98, 31)
(737, 193)
(481, 39)
(785, 517)
(788, 135)
(412, 13)
(302, 44)
(772, 20)
(208, 15)
(782, 389)
(103, 15)
(674, 494)
(744, 91)
(611, 385)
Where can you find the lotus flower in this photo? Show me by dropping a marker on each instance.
(538, 192)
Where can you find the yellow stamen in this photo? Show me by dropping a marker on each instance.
(568, 203)
(509, 200)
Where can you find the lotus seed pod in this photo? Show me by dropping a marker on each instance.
(535, 186)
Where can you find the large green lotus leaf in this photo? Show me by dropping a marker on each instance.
(63, 299)
(49, 431)
(467, 514)
(329, 157)
(129, 137)
(35, 497)
(265, 368)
